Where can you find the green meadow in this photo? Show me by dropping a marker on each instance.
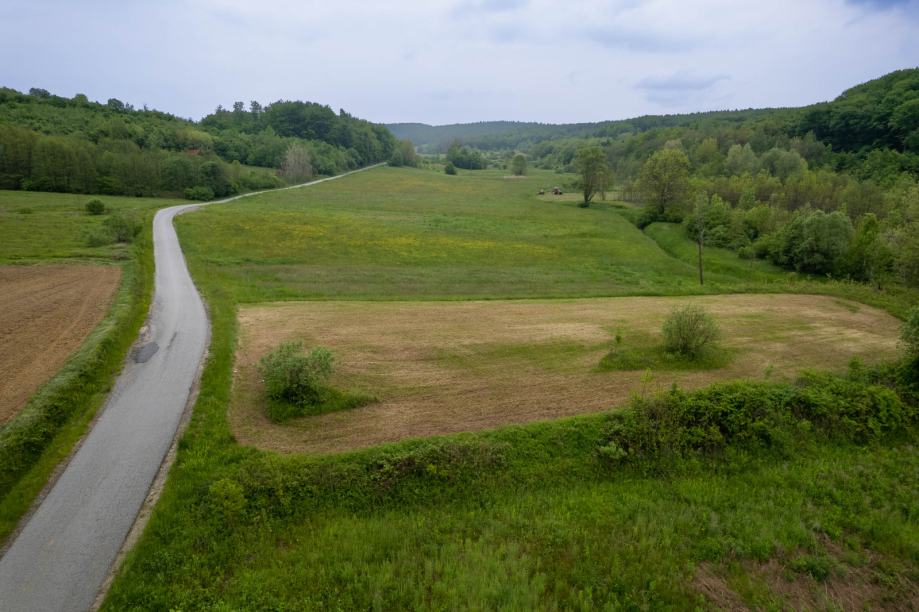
(419, 234)
(37, 226)
(611, 511)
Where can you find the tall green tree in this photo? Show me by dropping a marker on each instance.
(404, 155)
(519, 164)
(593, 173)
(870, 258)
(664, 180)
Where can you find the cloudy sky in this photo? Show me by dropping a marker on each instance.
(457, 60)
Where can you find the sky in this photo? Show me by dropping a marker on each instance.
(456, 61)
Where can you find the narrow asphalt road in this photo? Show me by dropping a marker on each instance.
(64, 552)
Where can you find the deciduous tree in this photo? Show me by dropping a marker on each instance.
(593, 173)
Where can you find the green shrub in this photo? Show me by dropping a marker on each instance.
(294, 377)
(666, 429)
(450, 168)
(123, 228)
(98, 239)
(909, 336)
(227, 502)
(689, 330)
(95, 207)
(200, 193)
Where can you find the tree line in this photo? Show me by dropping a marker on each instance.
(53, 143)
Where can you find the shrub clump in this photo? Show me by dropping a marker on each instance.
(122, 228)
(689, 331)
(909, 336)
(200, 193)
(450, 168)
(665, 430)
(95, 207)
(294, 377)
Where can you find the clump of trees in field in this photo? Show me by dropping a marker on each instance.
(465, 157)
(404, 154)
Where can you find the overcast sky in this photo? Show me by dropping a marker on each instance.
(457, 60)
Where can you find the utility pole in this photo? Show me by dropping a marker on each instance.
(701, 240)
(700, 216)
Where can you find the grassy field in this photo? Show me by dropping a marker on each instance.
(815, 511)
(37, 226)
(419, 234)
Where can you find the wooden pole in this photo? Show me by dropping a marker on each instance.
(701, 239)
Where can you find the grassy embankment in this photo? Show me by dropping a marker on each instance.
(38, 228)
(534, 516)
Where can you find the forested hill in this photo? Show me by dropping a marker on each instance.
(53, 143)
(496, 135)
(882, 113)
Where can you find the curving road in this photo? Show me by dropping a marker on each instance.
(64, 552)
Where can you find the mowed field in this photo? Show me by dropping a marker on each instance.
(46, 311)
(445, 367)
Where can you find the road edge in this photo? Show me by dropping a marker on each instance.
(159, 482)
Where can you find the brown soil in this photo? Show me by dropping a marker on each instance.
(445, 367)
(46, 312)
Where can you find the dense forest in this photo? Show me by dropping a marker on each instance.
(52, 143)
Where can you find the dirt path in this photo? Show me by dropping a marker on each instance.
(445, 367)
(46, 312)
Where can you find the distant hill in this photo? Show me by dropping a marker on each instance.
(492, 135)
(883, 112)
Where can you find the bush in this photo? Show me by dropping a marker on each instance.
(122, 228)
(98, 239)
(200, 193)
(95, 207)
(450, 168)
(689, 330)
(294, 377)
(665, 430)
(909, 336)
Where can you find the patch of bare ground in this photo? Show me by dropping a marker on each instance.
(46, 312)
(446, 367)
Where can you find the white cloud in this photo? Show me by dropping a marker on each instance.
(465, 60)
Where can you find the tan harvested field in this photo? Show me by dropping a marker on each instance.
(46, 312)
(445, 367)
